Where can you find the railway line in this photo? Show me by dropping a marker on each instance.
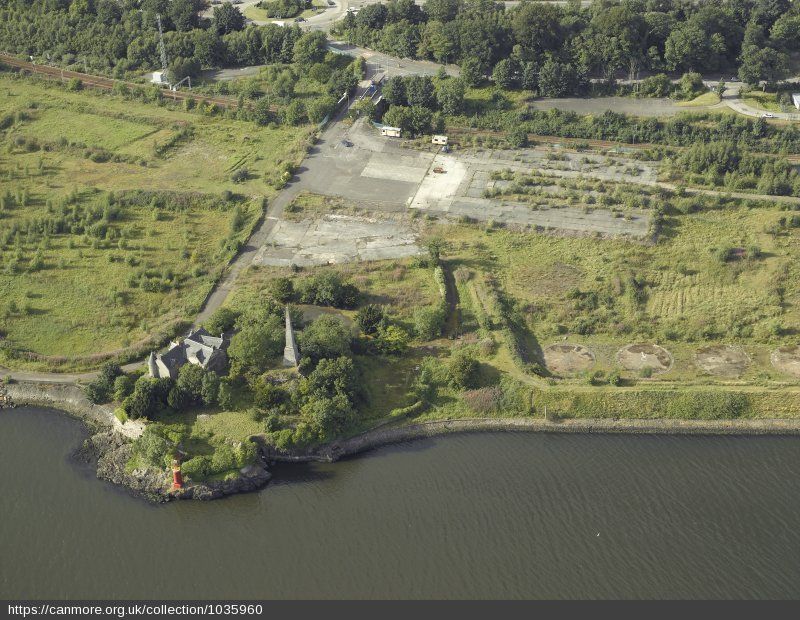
(105, 83)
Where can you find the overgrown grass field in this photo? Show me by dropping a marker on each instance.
(78, 235)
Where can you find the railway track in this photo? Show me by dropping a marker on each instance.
(104, 83)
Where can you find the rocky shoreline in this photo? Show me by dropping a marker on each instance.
(109, 443)
(108, 446)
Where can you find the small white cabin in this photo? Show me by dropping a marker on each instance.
(440, 140)
(796, 100)
(159, 77)
(390, 132)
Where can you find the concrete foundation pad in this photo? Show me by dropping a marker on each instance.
(335, 239)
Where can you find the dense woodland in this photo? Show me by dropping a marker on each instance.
(111, 36)
(555, 48)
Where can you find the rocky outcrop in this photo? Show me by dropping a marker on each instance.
(111, 452)
(6, 401)
(109, 446)
(250, 478)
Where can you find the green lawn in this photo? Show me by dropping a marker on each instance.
(706, 99)
(762, 100)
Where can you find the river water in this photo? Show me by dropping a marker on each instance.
(483, 515)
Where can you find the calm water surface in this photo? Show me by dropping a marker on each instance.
(488, 515)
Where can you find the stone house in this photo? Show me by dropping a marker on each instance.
(209, 352)
(199, 348)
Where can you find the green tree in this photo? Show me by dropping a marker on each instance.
(262, 112)
(429, 321)
(391, 339)
(557, 79)
(209, 391)
(221, 321)
(227, 18)
(450, 96)
(765, 64)
(331, 415)
(331, 377)
(326, 337)
(320, 108)
(295, 113)
(282, 290)
(148, 398)
(471, 71)
(123, 387)
(505, 73)
(183, 14)
(463, 371)
(255, 345)
(310, 49)
(370, 318)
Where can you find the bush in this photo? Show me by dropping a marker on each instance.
(517, 138)
(483, 400)
(391, 340)
(123, 387)
(326, 337)
(328, 289)
(101, 390)
(463, 371)
(221, 321)
(148, 399)
(267, 395)
(429, 321)
(370, 318)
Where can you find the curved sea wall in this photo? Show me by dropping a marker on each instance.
(384, 436)
(110, 447)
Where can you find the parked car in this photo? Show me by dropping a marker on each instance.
(767, 115)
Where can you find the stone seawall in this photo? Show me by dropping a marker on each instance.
(384, 436)
(71, 399)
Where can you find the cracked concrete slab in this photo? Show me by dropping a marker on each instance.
(335, 239)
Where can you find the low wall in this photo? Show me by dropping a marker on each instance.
(383, 436)
(71, 399)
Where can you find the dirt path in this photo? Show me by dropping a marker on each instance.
(452, 328)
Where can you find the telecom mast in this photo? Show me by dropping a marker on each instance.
(161, 50)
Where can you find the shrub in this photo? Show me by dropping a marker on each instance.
(282, 290)
(370, 318)
(123, 387)
(517, 138)
(483, 400)
(328, 289)
(463, 370)
(240, 175)
(391, 339)
(326, 337)
(221, 321)
(429, 321)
